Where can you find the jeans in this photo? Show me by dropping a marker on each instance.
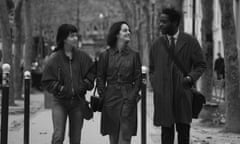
(60, 111)
(183, 131)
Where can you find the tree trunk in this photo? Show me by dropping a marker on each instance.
(6, 44)
(179, 7)
(207, 45)
(28, 34)
(17, 55)
(231, 67)
(147, 31)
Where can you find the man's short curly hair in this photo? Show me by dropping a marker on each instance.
(173, 14)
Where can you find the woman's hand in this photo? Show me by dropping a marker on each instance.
(187, 82)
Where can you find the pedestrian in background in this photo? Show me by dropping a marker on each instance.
(118, 83)
(172, 95)
(67, 76)
(219, 67)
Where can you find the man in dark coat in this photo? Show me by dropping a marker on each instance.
(172, 95)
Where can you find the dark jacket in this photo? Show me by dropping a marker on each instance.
(118, 81)
(219, 65)
(172, 102)
(76, 75)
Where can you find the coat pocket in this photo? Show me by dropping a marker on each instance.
(128, 109)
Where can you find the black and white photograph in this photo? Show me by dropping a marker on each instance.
(120, 71)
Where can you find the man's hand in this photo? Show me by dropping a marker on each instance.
(187, 82)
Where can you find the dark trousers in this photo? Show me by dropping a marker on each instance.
(183, 131)
(60, 111)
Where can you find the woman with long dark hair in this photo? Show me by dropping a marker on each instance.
(118, 84)
(67, 75)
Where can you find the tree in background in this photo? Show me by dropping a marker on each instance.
(28, 36)
(17, 51)
(137, 13)
(231, 67)
(7, 41)
(128, 9)
(207, 46)
(142, 16)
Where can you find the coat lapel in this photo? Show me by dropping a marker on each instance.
(180, 42)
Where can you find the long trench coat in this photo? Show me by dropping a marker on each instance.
(173, 102)
(118, 82)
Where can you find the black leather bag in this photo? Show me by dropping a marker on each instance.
(96, 102)
(197, 102)
(87, 111)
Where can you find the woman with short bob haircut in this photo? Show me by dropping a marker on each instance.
(118, 84)
(67, 75)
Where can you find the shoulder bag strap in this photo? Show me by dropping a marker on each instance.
(175, 60)
(107, 61)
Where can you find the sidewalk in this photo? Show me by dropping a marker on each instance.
(41, 131)
(41, 128)
(200, 133)
(16, 113)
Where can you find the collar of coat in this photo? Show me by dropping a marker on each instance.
(181, 41)
(175, 36)
(74, 51)
(124, 51)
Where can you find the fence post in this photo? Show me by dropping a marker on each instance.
(5, 103)
(143, 105)
(27, 78)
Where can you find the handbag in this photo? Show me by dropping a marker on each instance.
(198, 98)
(197, 102)
(96, 102)
(86, 109)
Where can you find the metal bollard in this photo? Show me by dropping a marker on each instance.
(5, 103)
(27, 78)
(143, 105)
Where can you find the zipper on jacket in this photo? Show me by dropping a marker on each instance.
(71, 75)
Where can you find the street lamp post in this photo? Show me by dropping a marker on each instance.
(27, 78)
(101, 17)
(153, 18)
(5, 102)
(78, 13)
(193, 17)
(143, 105)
